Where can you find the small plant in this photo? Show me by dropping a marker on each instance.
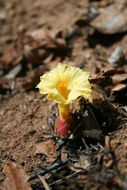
(62, 85)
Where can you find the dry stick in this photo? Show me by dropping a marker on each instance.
(67, 177)
(48, 169)
(45, 184)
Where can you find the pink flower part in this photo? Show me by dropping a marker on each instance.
(62, 127)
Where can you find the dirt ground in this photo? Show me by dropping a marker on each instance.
(26, 116)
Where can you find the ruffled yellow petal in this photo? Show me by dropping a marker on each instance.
(81, 86)
(64, 84)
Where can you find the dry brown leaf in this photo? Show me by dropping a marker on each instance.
(105, 108)
(119, 87)
(47, 148)
(35, 46)
(47, 38)
(16, 179)
(103, 3)
(105, 78)
(2, 187)
(13, 55)
(119, 78)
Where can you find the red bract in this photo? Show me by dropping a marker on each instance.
(62, 127)
(65, 127)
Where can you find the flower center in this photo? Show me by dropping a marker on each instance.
(63, 89)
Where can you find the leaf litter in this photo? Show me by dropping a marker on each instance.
(95, 154)
(47, 148)
(16, 179)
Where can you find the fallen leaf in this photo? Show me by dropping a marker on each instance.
(47, 38)
(105, 78)
(103, 3)
(16, 179)
(12, 55)
(119, 78)
(35, 47)
(2, 187)
(119, 88)
(104, 108)
(47, 148)
(87, 124)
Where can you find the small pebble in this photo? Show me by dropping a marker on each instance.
(80, 65)
(117, 58)
(2, 17)
(21, 28)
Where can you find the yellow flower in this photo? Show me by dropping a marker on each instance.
(64, 84)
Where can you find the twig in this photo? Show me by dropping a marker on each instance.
(84, 142)
(45, 184)
(69, 176)
(48, 169)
